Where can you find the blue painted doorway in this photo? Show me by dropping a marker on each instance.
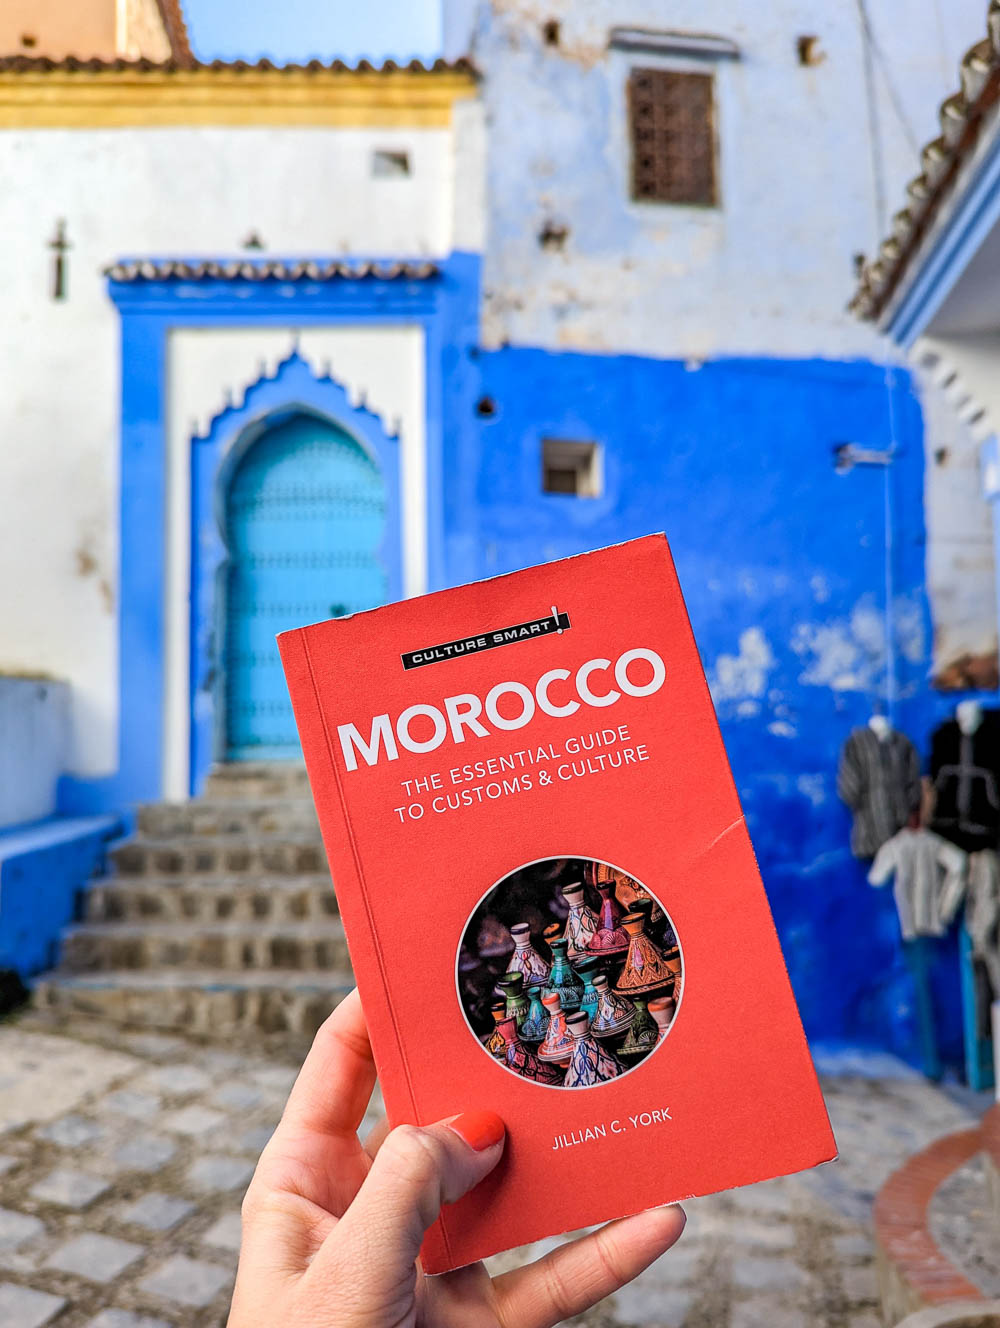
(305, 514)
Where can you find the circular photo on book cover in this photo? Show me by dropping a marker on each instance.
(569, 972)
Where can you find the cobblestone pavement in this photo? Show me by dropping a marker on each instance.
(963, 1224)
(123, 1158)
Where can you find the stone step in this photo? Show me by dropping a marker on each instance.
(211, 1003)
(257, 779)
(208, 855)
(232, 947)
(210, 899)
(226, 816)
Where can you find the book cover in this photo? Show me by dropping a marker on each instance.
(550, 897)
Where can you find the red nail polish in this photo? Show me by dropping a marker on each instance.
(479, 1129)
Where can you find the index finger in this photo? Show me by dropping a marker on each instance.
(334, 1086)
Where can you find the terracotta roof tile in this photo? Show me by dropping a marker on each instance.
(269, 270)
(962, 118)
(73, 64)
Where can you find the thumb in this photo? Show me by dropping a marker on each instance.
(417, 1169)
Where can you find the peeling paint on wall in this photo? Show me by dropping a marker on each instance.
(848, 654)
(813, 787)
(89, 560)
(744, 675)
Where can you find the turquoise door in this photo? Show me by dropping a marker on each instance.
(305, 515)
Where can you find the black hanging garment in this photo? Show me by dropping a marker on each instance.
(965, 768)
(879, 779)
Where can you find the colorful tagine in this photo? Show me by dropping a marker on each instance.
(526, 958)
(662, 1009)
(614, 1013)
(522, 1061)
(561, 976)
(536, 1025)
(610, 938)
(626, 888)
(511, 986)
(590, 1063)
(587, 968)
(646, 969)
(494, 1042)
(581, 923)
(558, 1044)
(643, 1033)
(653, 918)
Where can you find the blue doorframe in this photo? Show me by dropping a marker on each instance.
(214, 458)
(157, 297)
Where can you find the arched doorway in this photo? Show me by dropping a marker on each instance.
(304, 516)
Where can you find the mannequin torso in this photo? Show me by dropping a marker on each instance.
(880, 726)
(969, 716)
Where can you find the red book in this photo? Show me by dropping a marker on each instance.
(525, 776)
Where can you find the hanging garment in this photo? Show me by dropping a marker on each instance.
(929, 880)
(965, 769)
(880, 782)
(982, 912)
(983, 998)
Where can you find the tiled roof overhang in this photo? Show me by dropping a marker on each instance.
(39, 93)
(963, 117)
(40, 64)
(268, 270)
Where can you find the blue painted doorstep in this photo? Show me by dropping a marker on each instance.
(42, 869)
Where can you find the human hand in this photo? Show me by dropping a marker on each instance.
(332, 1228)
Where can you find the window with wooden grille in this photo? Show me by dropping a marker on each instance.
(672, 123)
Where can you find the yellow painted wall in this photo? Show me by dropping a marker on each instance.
(229, 96)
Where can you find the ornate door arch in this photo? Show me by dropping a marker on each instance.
(295, 519)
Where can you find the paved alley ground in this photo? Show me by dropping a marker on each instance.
(123, 1158)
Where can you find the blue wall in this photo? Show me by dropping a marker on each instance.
(734, 460)
(781, 560)
(43, 868)
(443, 304)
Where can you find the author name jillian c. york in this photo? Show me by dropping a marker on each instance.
(640, 1121)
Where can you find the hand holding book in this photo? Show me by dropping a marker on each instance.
(332, 1228)
(540, 826)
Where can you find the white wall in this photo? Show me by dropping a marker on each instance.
(768, 272)
(159, 192)
(961, 575)
(771, 270)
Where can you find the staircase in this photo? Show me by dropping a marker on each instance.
(218, 915)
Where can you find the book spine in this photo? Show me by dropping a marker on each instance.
(348, 879)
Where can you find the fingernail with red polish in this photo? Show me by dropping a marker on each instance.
(479, 1129)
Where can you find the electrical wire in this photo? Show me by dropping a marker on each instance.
(890, 542)
(895, 99)
(870, 50)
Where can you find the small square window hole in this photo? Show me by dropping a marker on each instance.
(574, 468)
(390, 164)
